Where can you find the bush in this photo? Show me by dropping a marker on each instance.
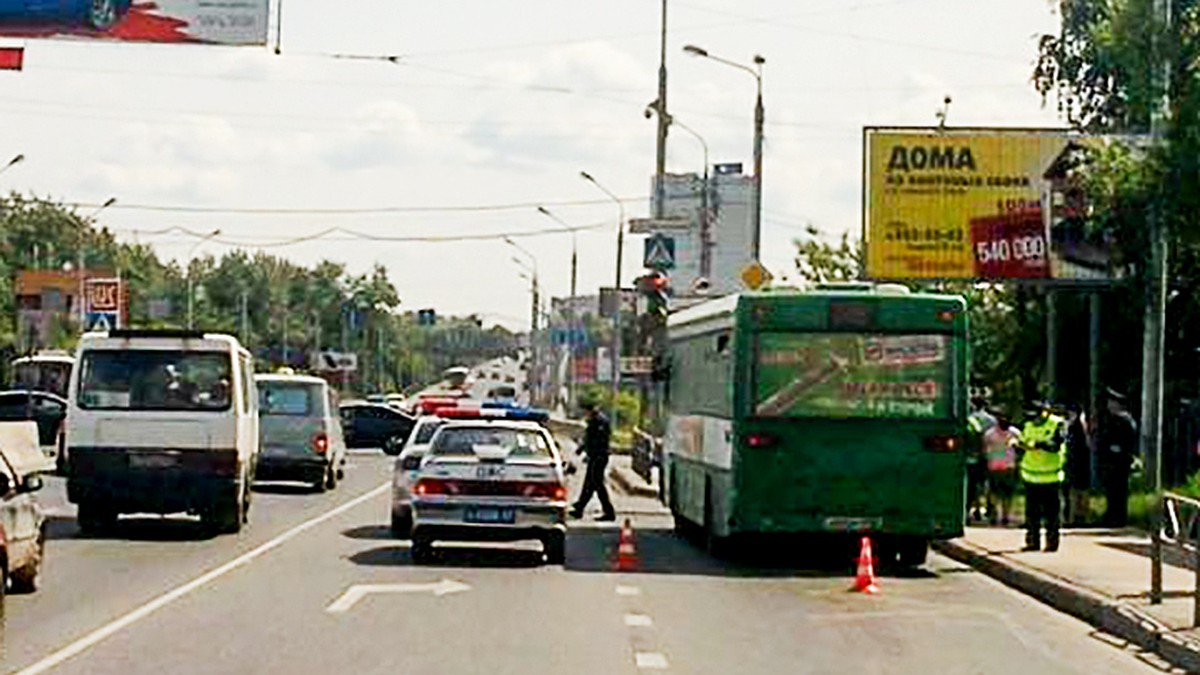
(629, 406)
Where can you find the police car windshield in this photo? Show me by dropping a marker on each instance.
(426, 431)
(518, 442)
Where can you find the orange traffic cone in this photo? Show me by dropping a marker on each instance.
(864, 581)
(626, 549)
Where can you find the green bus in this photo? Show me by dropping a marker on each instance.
(838, 411)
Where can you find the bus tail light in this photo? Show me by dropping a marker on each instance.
(320, 443)
(943, 443)
(760, 440)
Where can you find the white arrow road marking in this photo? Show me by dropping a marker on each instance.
(360, 591)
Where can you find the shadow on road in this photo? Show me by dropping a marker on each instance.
(456, 556)
(135, 528)
(372, 532)
(662, 551)
(281, 488)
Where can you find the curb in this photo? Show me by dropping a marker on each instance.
(631, 486)
(1110, 615)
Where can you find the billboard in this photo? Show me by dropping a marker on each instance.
(846, 375)
(221, 22)
(982, 204)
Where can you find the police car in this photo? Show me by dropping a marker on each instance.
(490, 478)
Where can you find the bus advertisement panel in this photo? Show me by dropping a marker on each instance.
(218, 22)
(853, 375)
(980, 204)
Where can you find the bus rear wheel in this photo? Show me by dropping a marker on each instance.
(912, 551)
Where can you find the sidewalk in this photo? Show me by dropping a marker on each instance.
(621, 474)
(1099, 576)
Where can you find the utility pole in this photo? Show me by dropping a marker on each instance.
(664, 122)
(1156, 310)
(245, 332)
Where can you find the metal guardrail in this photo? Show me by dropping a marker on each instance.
(1180, 530)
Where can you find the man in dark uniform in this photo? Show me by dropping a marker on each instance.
(1114, 453)
(595, 443)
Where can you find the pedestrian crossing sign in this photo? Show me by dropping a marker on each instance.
(659, 253)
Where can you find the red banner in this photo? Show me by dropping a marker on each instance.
(1010, 246)
(12, 58)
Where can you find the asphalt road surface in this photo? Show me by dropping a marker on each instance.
(317, 585)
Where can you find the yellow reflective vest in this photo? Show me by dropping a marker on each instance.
(1039, 465)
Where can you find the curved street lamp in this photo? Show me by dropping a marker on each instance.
(616, 340)
(759, 119)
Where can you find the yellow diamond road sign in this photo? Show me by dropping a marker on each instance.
(755, 276)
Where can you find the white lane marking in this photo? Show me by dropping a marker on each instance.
(100, 634)
(651, 661)
(638, 620)
(360, 591)
(628, 591)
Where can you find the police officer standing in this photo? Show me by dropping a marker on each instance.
(1042, 473)
(596, 439)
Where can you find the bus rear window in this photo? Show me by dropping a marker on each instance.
(852, 375)
(144, 379)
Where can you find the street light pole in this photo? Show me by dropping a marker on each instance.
(532, 268)
(759, 123)
(17, 159)
(571, 323)
(616, 340)
(190, 293)
(80, 257)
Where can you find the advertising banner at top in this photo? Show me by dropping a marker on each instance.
(978, 204)
(218, 22)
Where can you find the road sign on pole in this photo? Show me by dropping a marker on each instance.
(660, 252)
(756, 276)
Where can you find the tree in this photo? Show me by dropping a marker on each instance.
(819, 261)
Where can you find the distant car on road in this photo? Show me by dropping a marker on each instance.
(375, 425)
(408, 465)
(301, 431)
(95, 14)
(486, 480)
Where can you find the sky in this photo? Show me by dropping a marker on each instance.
(490, 109)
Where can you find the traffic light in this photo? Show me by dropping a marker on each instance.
(655, 286)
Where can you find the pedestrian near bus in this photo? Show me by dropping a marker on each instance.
(1001, 444)
(979, 421)
(596, 439)
(1118, 440)
(1079, 467)
(1042, 472)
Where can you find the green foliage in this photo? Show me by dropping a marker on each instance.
(310, 307)
(819, 261)
(629, 405)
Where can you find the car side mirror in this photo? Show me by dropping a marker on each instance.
(33, 483)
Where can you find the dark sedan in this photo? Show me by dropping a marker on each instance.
(46, 409)
(374, 425)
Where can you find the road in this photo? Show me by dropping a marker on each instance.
(259, 602)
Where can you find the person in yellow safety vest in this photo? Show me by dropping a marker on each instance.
(1042, 471)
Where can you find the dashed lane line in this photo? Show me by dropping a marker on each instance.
(108, 630)
(638, 621)
(651, 661)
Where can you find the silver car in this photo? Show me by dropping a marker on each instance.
(408, 464)
(301, 431)
(490, 481)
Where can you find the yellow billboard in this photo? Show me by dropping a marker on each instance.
(976, 204)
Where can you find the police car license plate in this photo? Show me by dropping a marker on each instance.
(489, 515)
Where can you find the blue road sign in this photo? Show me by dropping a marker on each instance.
(660, 252)
(101, 321)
